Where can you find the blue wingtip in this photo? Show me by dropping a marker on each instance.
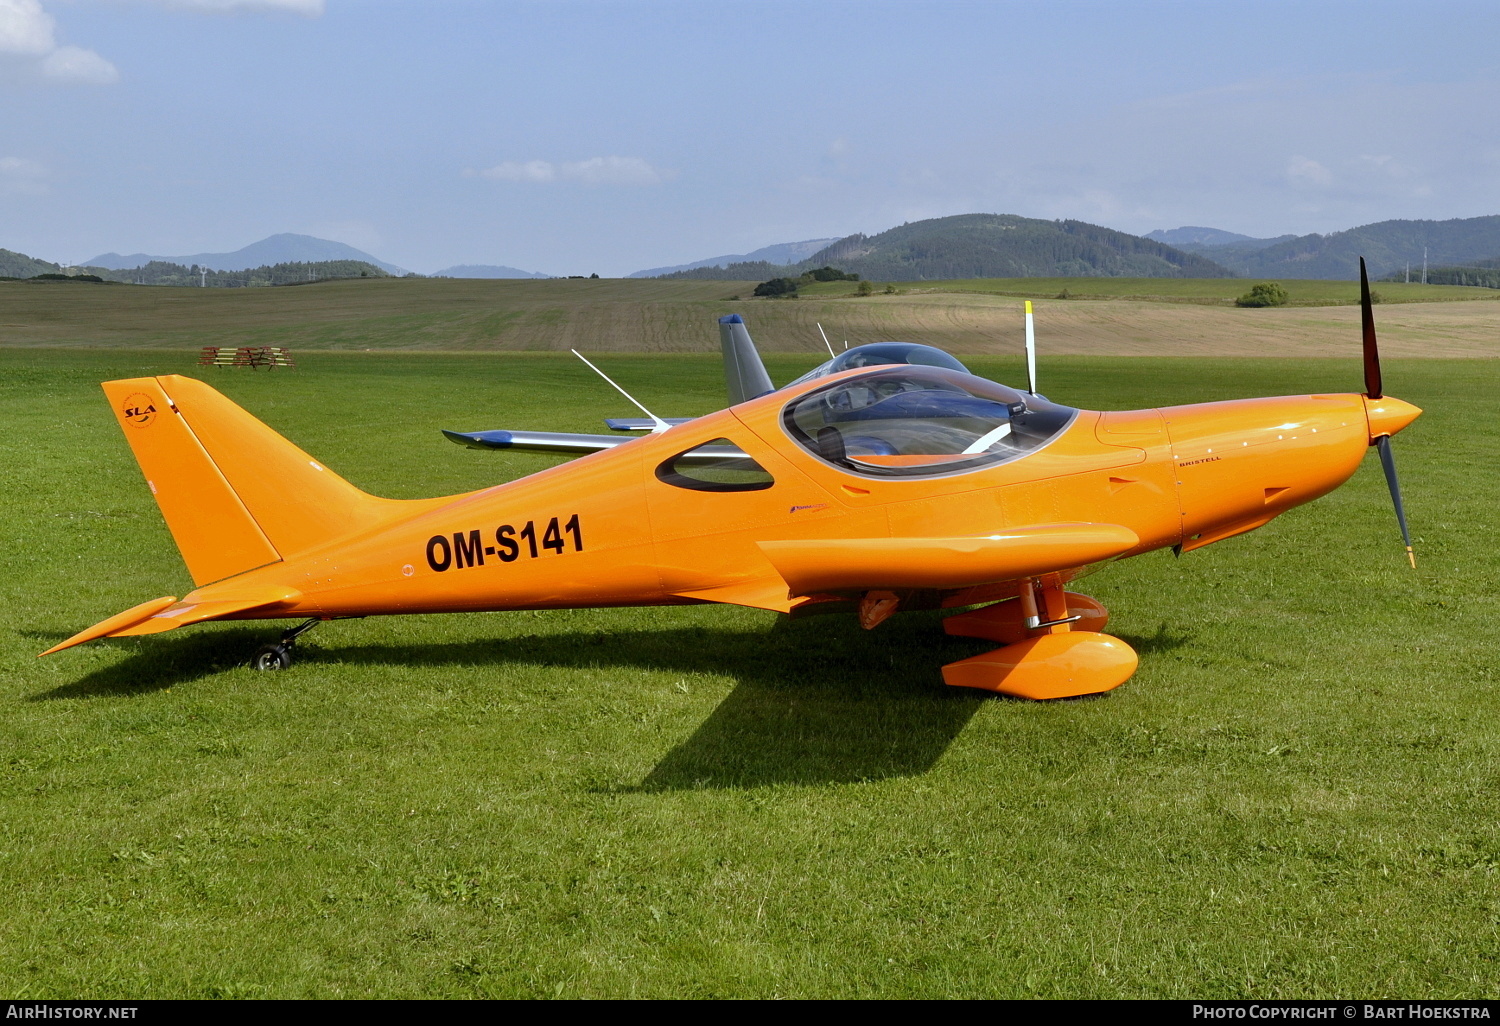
(732, 319)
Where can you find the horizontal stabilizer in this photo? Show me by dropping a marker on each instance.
(164, 614)
(641, 423)
(856, 564)
(195, 610)
(118, 622)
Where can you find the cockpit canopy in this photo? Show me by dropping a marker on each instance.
(915, 421)
(877, 354)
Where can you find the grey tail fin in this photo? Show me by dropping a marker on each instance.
(744, 375)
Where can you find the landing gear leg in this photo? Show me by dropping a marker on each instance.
(1053, 646)
(279, 655)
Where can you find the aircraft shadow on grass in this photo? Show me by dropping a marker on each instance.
(156, 664)
(816, 701)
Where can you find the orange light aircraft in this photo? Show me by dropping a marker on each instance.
(906, 484)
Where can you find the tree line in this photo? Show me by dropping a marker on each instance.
(161, 272)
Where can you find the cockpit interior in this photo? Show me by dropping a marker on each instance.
(915, 420)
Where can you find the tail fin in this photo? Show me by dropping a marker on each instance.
(235, 494)
(744, 374)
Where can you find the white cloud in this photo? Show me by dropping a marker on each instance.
(515, 171)
(306, 8)
(19, 176)
(25, 28)
(26, 32)
(612, 171)
(594, 171)
(28, 36)
(73, 64)
(1302, 171)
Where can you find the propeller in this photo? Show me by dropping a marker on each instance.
(1374, 390)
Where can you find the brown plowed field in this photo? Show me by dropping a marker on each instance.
(679, 316)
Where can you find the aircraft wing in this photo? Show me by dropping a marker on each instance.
(745, 378)
(859, 564)
(558, 442)
(562, 444)
(640, 423)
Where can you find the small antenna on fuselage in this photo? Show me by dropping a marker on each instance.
(660, 425)
(1030, 351)
(827, 343)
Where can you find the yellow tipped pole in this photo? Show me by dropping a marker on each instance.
(1030, 351)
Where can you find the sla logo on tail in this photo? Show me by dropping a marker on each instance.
(138, 410)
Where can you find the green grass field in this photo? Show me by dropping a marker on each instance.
(1295, 795)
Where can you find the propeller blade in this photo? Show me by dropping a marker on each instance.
(1373, 385)
(1388, 462)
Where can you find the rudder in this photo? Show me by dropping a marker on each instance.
(235, 494)
(213, 530)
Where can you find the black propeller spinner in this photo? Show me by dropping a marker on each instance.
(1374, 390)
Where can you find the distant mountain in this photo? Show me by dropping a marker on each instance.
(1196, 240)
(485, 271)
(1387, 246)
(19, 265)
(1008, 246)
(781, 254)
(276, 249)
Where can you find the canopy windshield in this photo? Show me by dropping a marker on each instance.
(909, 421)
(879, 354)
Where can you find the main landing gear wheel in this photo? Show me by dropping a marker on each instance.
(272, 657)
(279, 655)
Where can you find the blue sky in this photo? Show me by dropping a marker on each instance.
(580, 137)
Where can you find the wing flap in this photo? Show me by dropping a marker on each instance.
(853, 564)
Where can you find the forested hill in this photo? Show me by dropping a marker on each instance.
(1007, 246)
(19, 265)
(1387, 246)
(991, 246)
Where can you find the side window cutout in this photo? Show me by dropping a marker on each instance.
(716, 466)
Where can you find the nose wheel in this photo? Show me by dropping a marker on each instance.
(278, 656)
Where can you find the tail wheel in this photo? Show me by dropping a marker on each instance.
(272, 657)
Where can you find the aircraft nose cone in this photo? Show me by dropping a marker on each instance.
(1388, 415)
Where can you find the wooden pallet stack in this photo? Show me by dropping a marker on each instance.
(269, 357)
